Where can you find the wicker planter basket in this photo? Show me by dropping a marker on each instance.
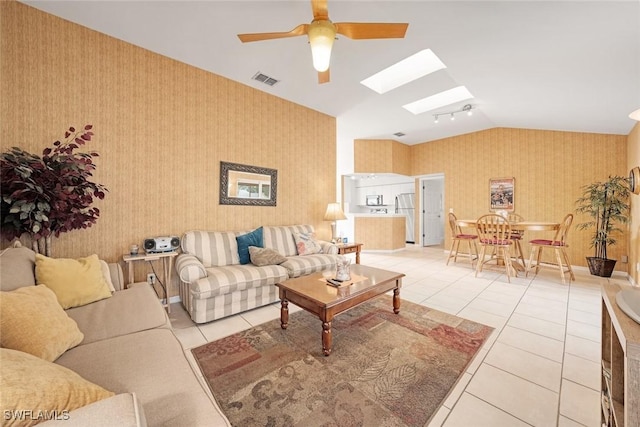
(602, 267)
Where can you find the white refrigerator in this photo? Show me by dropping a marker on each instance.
(405, 206)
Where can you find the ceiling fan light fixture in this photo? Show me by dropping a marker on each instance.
(322, 34)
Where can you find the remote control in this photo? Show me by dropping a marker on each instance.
(333, 282)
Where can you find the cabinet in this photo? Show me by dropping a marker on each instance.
(620, 383)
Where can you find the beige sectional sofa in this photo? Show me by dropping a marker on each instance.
(129, 349)
(214, 284)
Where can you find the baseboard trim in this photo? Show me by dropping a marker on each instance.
(175, 298)
(382, 251)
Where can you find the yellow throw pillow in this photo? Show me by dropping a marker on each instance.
(75, 282)
(34, 390)
(31, 320)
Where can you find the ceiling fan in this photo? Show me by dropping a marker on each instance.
(322, 32)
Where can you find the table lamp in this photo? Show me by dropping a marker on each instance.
(333, 214)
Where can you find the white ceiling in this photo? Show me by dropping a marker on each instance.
(557, 65)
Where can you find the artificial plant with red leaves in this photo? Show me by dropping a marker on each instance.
(49, 195)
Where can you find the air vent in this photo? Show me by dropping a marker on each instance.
(399, 134)
(264, 79)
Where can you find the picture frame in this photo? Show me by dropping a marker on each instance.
(247, 185)
(502, 194)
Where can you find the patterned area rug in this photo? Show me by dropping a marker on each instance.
(384, 370)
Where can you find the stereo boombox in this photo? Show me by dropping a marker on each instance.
(161, 244)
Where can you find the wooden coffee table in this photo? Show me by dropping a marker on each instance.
(313, 294)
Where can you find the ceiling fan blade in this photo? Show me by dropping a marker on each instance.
(372, 30)
(320, 10)
(323, 76)
(300, 30)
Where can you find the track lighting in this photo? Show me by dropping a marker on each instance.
(467, 108)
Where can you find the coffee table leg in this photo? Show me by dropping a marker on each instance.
(326, 338)
(284, 313)
(396, 300)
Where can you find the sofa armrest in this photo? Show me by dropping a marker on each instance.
(189, 268)
(123, 410)
(117, 277)
(328, 247)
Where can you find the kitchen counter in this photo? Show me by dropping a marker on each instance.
(382, 232)
(367, 215)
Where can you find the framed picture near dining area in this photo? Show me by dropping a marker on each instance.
(502, 194)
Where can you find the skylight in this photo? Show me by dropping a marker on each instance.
(405, 71)
(439, 100)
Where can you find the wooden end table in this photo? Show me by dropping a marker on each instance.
(313, 294)
(349, 248)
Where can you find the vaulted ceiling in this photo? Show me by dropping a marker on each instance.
(556, 65)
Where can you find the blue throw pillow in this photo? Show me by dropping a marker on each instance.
(250, 239)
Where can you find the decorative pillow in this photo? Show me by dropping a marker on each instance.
(306, 244)
(265, 256)
(32, 321)
(75, 282)
(16, 267)
(250, 239)
(32, 384)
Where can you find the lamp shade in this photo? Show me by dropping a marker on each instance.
(321, 37)
(635, 115)
(334, 212)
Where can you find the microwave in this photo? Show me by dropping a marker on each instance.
(374, 200)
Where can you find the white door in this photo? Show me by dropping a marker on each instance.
(432, 211)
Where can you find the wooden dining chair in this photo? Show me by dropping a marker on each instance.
(517, 236)
(494, 232)
(458, 236)
(558, 244)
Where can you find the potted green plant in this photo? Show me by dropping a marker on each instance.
(49, 195)
(607, 203)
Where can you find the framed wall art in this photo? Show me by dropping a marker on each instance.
(634, 180)
(502, 194)
(247, 185)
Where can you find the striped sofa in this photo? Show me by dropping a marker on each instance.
(213, 283)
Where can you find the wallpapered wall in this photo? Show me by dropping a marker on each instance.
(549, 168)
(381, 156)
(161, 128)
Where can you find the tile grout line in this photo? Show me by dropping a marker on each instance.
(488, 350)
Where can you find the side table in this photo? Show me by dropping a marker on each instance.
(167, 263)
(349, 248)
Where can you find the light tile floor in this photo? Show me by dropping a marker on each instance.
(540, 367)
